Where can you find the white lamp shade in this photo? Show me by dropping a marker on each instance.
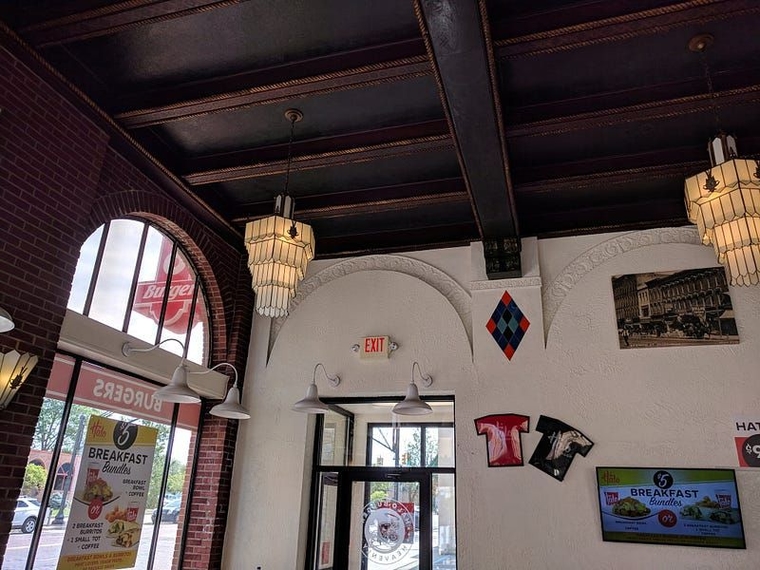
(231, 407)
(6, 322)
(177, 391)
(412, 405)
(277, 261)
(311, 404)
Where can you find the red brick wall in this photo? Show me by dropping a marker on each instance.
(60, 178)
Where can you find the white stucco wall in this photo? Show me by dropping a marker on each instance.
(669, 407)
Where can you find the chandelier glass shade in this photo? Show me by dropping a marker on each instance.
(724, 203)
(277, 258)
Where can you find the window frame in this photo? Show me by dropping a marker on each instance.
(58, 447)
(199, 289)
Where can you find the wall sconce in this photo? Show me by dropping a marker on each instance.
(177, 391)
(412, 405)
(14, 369)
(311, 404)
(231, 407)
(6, 322)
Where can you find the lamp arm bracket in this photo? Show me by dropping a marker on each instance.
(425, 379)
(334, 381)
(215, 366)
(127, 349)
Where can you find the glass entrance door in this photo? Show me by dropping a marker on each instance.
(384, 520)
(383, 492)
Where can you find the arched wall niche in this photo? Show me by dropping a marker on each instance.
(323, 328)
(459, 299)
(558, 290)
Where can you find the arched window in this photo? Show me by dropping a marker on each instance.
(133, 278)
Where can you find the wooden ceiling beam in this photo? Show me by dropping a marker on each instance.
(512, 41)
(114, 18)
(608, 170)
(316, 146)
(366, 201)
(609, 218)
(611, 178)
(353, 69)
(457, 40)
(391, 149)
(649, 111)
(393, 241)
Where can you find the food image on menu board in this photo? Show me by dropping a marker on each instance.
(97, 489)
(127, 533)
(689, 507)
(630, 507)
(708, 509)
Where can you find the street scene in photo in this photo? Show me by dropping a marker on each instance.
(677, 308)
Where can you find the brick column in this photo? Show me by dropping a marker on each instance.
(50, 157)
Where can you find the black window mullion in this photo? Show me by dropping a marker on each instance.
(423, 446)
(54, 462)
(197, 292)
(96, 269)
(162, 490)
(169, 275)
(191, 488)
(314, 507)
(135, 277)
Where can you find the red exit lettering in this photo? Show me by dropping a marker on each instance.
(374, 344)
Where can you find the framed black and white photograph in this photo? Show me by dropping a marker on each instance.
(675, 308)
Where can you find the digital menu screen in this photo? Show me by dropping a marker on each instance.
(689, 507)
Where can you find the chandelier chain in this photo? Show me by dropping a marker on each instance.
(710, 88)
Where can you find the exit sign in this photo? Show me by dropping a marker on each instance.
(375, 347)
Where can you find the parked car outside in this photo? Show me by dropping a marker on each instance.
(25, 515)
(170, 512)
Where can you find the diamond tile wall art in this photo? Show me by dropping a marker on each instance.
(507, 325)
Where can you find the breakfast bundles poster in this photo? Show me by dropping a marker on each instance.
(108, 506)
(690, 507)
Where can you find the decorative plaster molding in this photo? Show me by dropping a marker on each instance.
(505, 283)
(455, 294)
(555, 293)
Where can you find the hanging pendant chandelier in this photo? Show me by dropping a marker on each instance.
(724, 201)
(279, 248)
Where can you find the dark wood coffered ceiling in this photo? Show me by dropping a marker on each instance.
(428, 123)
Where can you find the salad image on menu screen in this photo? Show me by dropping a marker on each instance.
(689, 507)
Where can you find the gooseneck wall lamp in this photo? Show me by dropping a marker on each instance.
(412, 405)
(231, 407)
(311, 404)
(179, 392)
